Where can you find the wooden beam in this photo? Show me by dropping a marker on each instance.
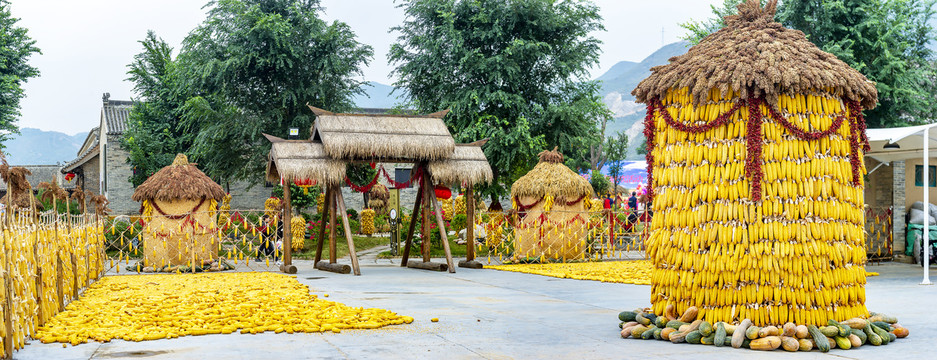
(412, 227)
(469, 261)
(322, 223)
(426, 265)
(438, 114)
(273, 139)
(425, 244)
(332, 250)
(335, 268)
(351, 242)
(286, 222)
(442, 234)
(469, 223)
(318, 111)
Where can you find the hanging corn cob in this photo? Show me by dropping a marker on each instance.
(367, 221)
(755, 173)
(298, 233)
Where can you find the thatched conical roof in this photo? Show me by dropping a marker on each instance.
(551, 177)
(753, 53)
(179, 181)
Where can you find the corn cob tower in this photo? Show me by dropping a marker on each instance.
(551, 200)
(755, 139)
(180, 206)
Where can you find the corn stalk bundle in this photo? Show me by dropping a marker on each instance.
(458, 205)
(367, 221)
(298, 233)
(446, 207)
(320, 203)
(756, 179)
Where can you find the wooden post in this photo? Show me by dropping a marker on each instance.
(469, 224)
(8, 309)
(60, 283)
(351, 243)
(332, 250)
(442, 234)
(287, 229)
(424, 226)
(326, 208)
(469, 261)
(75, 277)
(39, 299)
(412, 227)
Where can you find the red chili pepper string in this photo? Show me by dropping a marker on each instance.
(753, 140)
(720, 120)
(801, 134)
(649, 130)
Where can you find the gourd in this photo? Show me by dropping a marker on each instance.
(720, 335)
(690, 314)
(818, 338)
(766, 343)
(739, 336)
(789, 343)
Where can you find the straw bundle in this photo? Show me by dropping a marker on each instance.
(19, 191)
(179, 181)
(755, 173)
(467, 164)
(378, 197)
(362, 136)
(302, 160)
(551, 197)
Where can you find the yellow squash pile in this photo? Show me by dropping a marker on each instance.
(150, 307)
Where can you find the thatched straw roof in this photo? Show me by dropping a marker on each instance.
(179, 181)
(753, 51)
(551, 177)
(467, 164)
(370, 136)
(302, 159)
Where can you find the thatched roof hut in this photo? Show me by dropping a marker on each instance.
(179, 181)
(551, 177)
(300, 160)
(371, 136)
(467, 164)
(753, 52)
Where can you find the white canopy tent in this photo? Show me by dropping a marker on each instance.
(905, 143)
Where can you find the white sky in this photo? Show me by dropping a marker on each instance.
(86, 45)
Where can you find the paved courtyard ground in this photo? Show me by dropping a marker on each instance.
(488, 314)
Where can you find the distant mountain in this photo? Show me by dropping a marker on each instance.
(38, 147)
(625, 76)
(378, 96)
(617, 84)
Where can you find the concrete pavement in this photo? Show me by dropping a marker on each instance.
(489, 314)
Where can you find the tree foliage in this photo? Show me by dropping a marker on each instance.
(616, 148)
(885, 40)
(250, 68)
(154, 132)
(510, 71)
(15, 49)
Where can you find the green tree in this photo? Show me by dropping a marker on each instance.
(252, 66)
(697, 30)
(616, 148)
(15, 49)
(885, 40)
(512, 71)
(154, 132)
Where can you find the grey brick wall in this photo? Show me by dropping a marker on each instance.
(898, 206)
(119, 188)
(92, 178)
(245, 198)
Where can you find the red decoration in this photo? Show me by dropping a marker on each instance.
(69, 176)
(649, 131)
(442, 192)
(753, 141)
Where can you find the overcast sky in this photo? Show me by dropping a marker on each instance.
(86, 45)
